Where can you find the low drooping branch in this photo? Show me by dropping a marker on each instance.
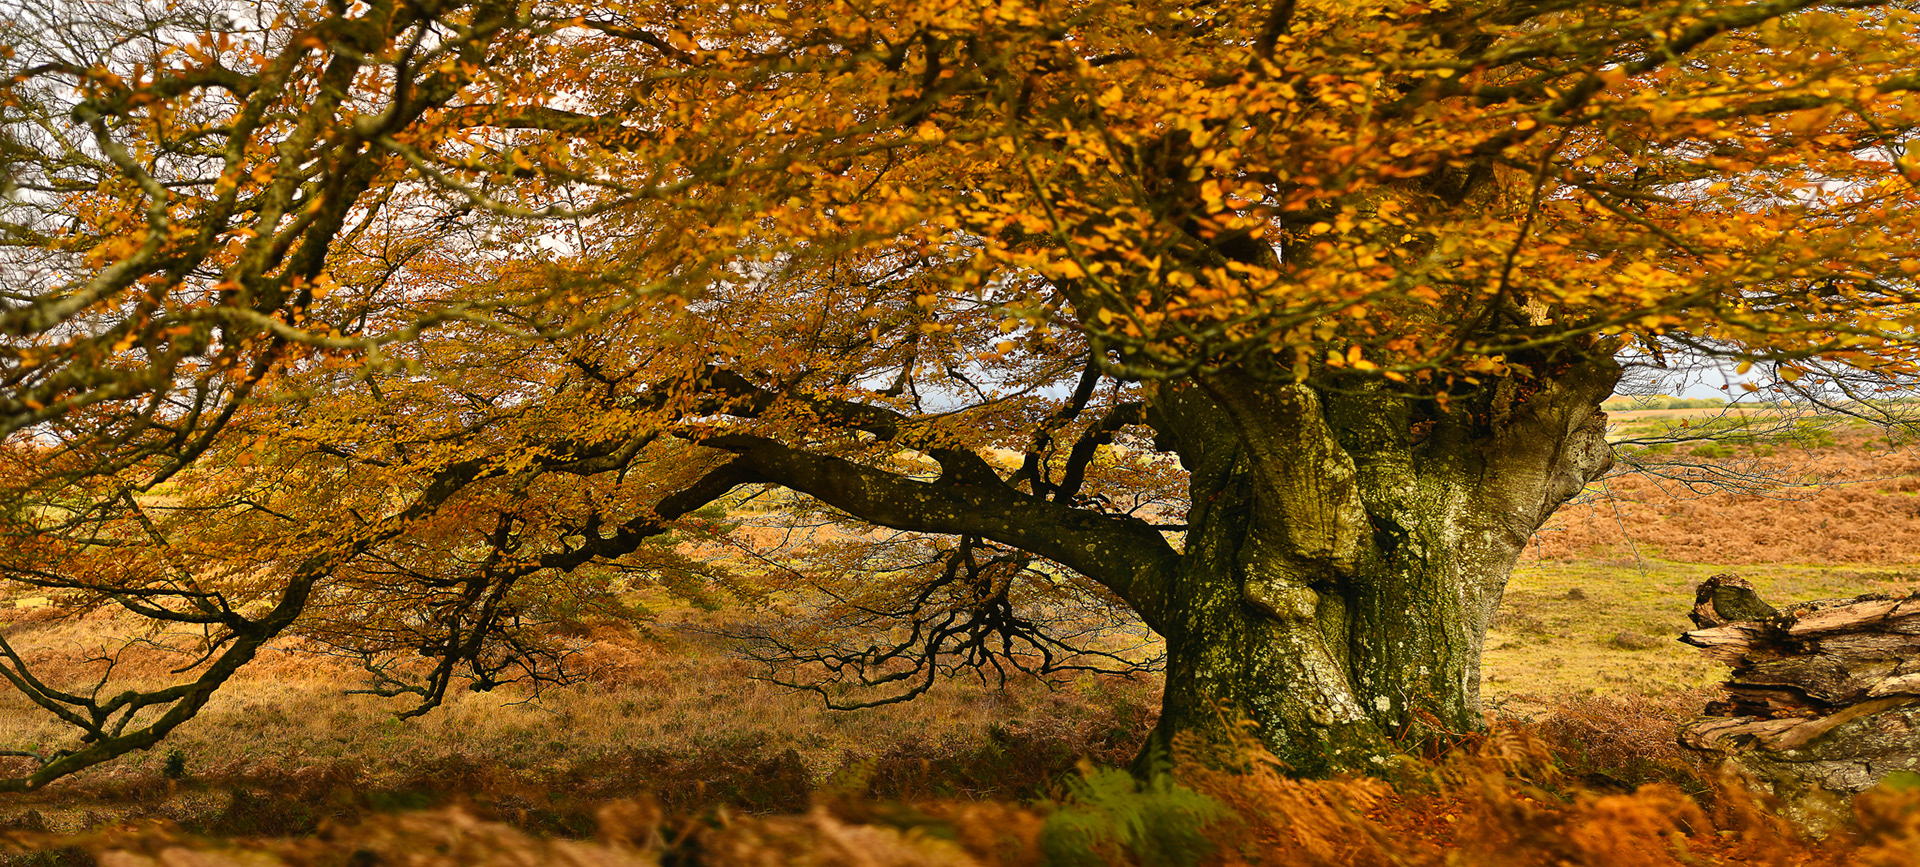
(473, 622)
(473, 628)
(105, 724)
(1124, 553)
(966, 612)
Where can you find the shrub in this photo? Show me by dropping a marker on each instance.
(176, 765)
(1157, 821)
(1712, 451)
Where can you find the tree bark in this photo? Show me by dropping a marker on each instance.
(1824, 698)
(1347, 548)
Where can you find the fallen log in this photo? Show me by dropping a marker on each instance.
(1823, 700)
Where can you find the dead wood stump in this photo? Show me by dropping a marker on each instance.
(1824, 698)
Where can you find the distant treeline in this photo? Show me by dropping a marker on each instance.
(1626, 403)
(1661, 401)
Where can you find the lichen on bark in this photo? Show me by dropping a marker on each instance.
(1348, 546)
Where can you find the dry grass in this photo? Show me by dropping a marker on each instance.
(668, 717)
(1505, 800)
(1603, 627)
(285, 771)
(1596, 605)
(1853, 501)
(670, 753)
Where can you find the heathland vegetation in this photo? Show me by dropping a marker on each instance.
(669, 748)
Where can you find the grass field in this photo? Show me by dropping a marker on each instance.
(1603, 627)
(1582, 674)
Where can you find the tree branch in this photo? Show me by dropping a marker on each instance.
(1123, 553)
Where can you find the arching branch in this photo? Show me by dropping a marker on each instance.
(1123, 553)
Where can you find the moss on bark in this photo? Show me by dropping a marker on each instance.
(1347, 547)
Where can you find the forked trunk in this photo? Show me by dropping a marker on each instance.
(1346, 550)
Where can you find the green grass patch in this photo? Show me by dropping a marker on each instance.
(1597, 628)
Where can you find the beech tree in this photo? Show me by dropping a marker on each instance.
(413, 325)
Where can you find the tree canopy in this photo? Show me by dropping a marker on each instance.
(413, 325)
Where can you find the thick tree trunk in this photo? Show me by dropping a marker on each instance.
(1347, 548)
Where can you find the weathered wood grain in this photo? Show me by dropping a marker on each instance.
(1821, 696)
